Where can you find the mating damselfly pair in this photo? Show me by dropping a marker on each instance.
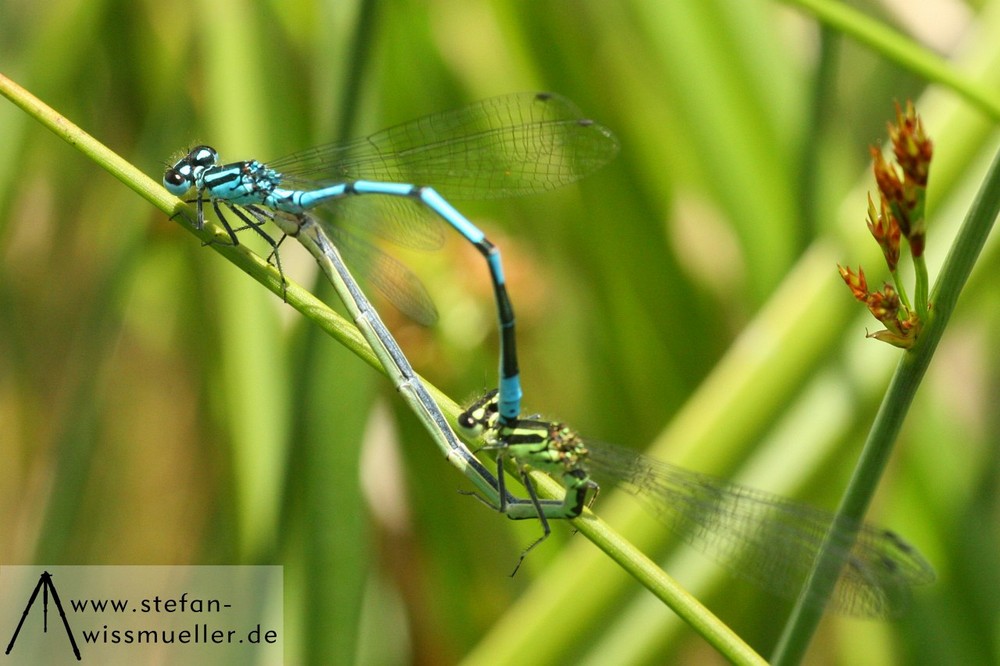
(388, 185)
(504, 146)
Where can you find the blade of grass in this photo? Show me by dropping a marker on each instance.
(901, 50)
(330, 448)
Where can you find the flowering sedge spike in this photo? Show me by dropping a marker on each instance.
(886, 231)
(891, 187)
(904, 188)
(910, 145)
(902, 194)
(901, 326)
(856, 282)
(898, 332)
(913, 151)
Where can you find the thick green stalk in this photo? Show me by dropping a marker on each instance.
(896, 403)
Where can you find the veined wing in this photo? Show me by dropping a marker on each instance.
(769, 540)
(503, 146)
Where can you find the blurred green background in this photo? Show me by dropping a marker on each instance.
(157, 406)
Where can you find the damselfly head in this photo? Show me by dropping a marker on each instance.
(481, 416)
(180, 177)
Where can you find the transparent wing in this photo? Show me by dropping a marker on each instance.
(403, 222)
(498, 147)
(387, 275)
(767, 539)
